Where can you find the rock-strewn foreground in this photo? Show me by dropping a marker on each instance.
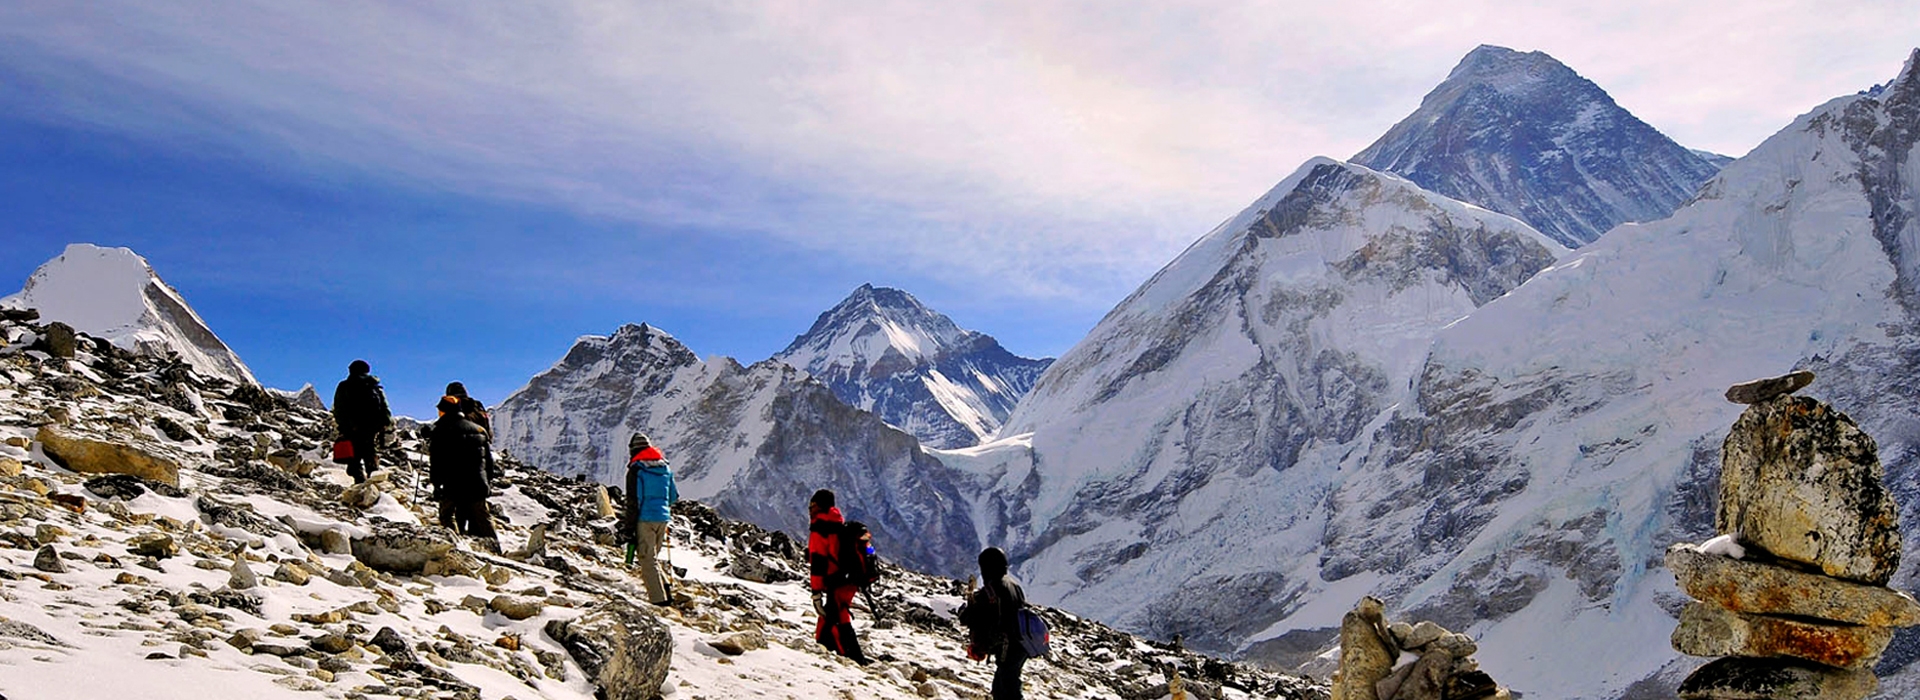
(259, 573)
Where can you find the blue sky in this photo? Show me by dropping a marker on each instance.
(458, 190)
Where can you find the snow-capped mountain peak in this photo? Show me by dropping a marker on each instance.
(881, 350)
(1524, 135)
(112, 293)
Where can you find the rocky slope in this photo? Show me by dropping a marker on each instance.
(753, 441)
(113, 293)
(882, 351)
(246, 570)
(1522, 134)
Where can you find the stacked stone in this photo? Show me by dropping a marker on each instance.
(1443, 668)
(1793, 594)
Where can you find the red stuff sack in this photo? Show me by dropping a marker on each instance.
(342, 450)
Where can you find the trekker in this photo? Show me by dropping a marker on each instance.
(645, 512)
(476, 412)
(456, 460)
(360, 412)
(832, 594)
(993, 623)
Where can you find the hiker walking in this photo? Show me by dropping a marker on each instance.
(457, 466)
(360, 412)
(832, 593)
(476, 412)
(991, 616)
(645, 511)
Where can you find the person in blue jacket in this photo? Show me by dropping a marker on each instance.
(645, 511)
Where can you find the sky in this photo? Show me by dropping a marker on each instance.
(458, 190)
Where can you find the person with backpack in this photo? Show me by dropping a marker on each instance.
(457, 466)
(646, 510)
(833, 588)
(360, 413)
(995, 618)
(476, 412)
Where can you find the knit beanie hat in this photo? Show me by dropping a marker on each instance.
(359, 367)
(638, 442)
(456, 389)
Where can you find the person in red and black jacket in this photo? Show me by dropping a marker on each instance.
(832, 594)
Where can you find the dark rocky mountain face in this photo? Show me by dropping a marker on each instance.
(1524, 135)
(881, 350)
(754, 441)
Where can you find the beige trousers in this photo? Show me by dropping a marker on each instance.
(651, 537)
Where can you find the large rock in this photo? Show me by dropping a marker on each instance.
(1365, 657)
(1775, 679)
(1760, 390)
(402, 548)
(93, 455)
(61, 340)
(1710, 630)
(1753, 587)
(623, 649)
(1802, 482)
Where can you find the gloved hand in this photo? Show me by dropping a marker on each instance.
(820, 603)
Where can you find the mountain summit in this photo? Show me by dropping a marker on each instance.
(1524, 135)
(883, 351)
(112, 293)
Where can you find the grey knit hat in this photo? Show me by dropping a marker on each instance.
(638, 442)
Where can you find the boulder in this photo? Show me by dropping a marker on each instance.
(401, 547)
(128, 486)
(93, 455)
(10, 466)
(60, 340)
(242, 577)
(751, 567)
(1775, 679)
(1365, 654)
(48, 560)
(336, 541)
(1710, 630)
(362, 495)
(158, 545)
(516, 607)
(291, 572)
(740, 642)
(1800, 481)
(1760, 390)
(330, 643)
(1753, 587)
(622, 648)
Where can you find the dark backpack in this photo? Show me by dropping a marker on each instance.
(1034, 636)
(856, 563)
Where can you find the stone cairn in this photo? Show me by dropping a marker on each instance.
(1443, 668)
(1792, 593)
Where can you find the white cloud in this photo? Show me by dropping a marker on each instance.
(1050, 149)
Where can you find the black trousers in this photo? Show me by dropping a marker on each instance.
(1006, 672)
(467, 517)
(366, 456)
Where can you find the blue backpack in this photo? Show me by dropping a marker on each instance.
(1035, 638)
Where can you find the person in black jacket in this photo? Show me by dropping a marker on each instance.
(457, 466)
(993, 624)
(360, 412)
(476, 412)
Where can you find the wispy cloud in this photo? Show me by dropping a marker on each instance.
(1044, 149)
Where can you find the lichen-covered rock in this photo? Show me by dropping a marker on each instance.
(1710, 630)
(158, 545)
(48, 560)
(1365, 657)
(98, 455)
(623, 649)
(400, 547)
(748, 566)
(1752, 587)
(1800, 481)
(740, 642)
(1775, 679)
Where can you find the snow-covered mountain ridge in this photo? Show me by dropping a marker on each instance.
(257, 576)
(1523, 134)
(112, 293)
(755, 442)
(881, 350)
